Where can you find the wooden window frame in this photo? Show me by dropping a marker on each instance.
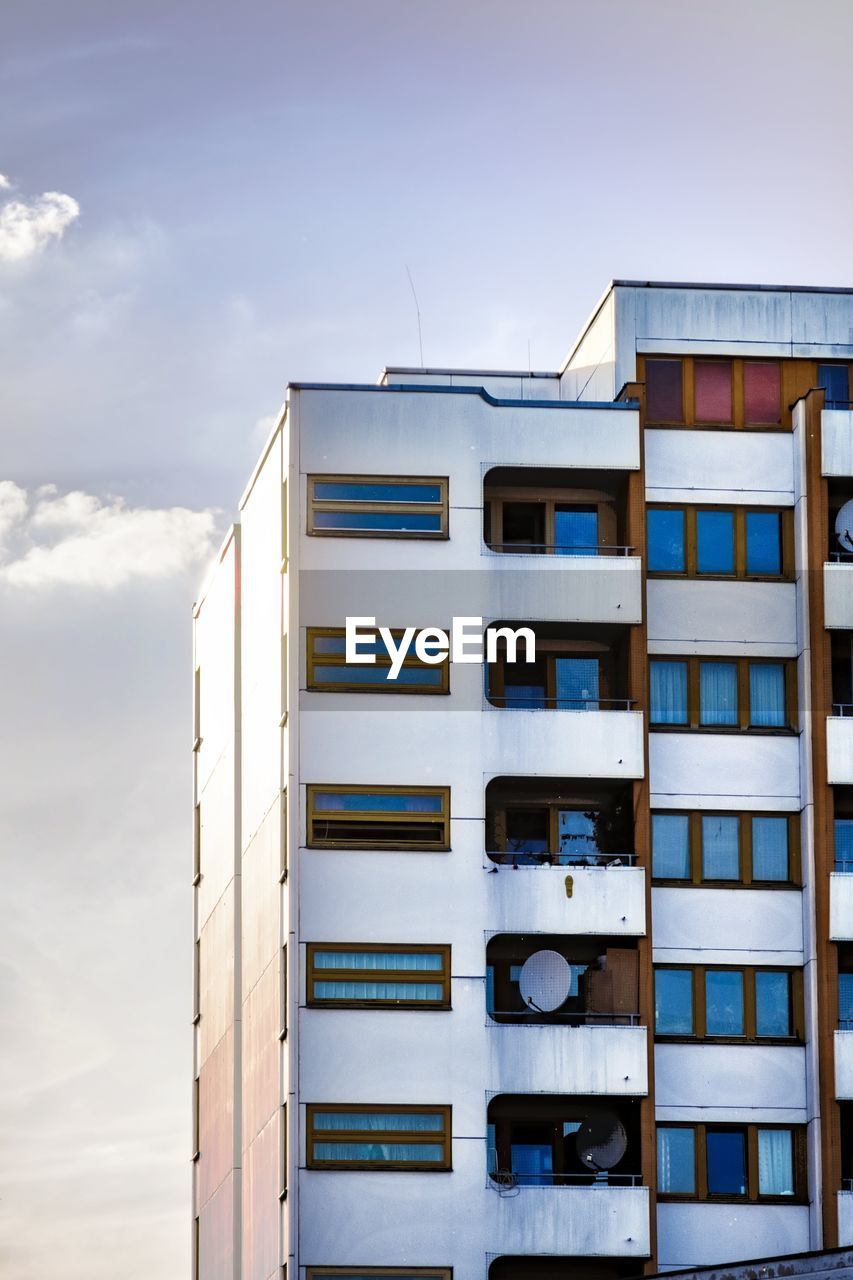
(383, 663)
(740, 513)
(739, 420)
(746, 878)
(693, 723)
(440, 820)
(431, 1273)
(353, 505)
(442, 976)
(700, 1179)
(548, 651)
(432, 1137)
(750, 1036)
(605, 504)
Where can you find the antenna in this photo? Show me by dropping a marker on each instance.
(529, 358)
(418, 310)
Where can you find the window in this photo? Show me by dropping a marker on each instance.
(705, 392)
(845, 1001)
(365, 975)
(389, 1273)
(716, 694)
(843, 828)
(378, 817)
(760, 849)
(835, 379)
(572, 672)
(553, 511)
(328, 671)
(718, 542)
(762, 392)
(545, 821)
(378, 506)
(720, 1002)
(731, 1162)
(378, 1137)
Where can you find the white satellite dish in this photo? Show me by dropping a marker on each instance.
(844, 526)
(545, 981)
(601, 1141)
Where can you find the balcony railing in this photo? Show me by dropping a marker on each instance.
(841, 557)
(522, 701)
(505, 1178)
(501, 1017)
(842, 708)
(528, 858)
(559, 549)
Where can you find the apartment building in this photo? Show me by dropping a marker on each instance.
(516, 971)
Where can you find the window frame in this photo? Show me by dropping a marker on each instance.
(429, 1273)
(750, 1131)
(383, 663)
(693, 724)
(746, 878)
(690, 512)
(441, 508)
(750, 1036)
(432, 1137)
(441, 820)
(548, 652)
(313, 975)
(739, 420)
(605, 505)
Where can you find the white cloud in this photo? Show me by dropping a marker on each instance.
(25, 229)
(4, 182)
(76, 539)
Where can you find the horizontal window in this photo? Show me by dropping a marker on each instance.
(708, 847)
(329, 672)
(712, 693)
(366, 976)
(702, 392)
(378, 506)
(378, 1137)
(731, 1162)
(704, 1002)
(389, 1273)
(734, 542)
(379, 817)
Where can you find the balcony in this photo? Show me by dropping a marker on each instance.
(606, 899)
(839, 748)
(838, 594)
(597, 1058)
(841, 901)
(576, 744)
(845, 1214)
(592, 1221)
(837, 442)
(844, 1063)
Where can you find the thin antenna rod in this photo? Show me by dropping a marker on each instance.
(529, 358)
(417, 308)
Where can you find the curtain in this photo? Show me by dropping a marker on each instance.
(670, 846)
(377, 960)
(676, 1160)
(845, 1000)
(384, 1121)
(423, 1152)
(718, 693)
(577, 684)
(668, 692)
(770, 849)
(720, 847)
(772, 1004)
(351, 990)
(775, 1162)
(724, 1002)
(767, 694)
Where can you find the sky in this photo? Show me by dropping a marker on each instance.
(200, 202)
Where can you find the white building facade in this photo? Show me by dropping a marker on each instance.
(536, 970)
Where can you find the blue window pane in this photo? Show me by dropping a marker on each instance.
(767, 695)
(666, 541)
(720, 847)
(724, 1002)
(835, 379)
(715, 538)
(377, 802)
(674, 1002)
(417, 961)
(670, 846)
(398, 521)
(676, 1161)
(577, 684)
(357, 491)
(668, 692)
(576, 831)
(845, 1001)
(770, 849)
(384, 1121)
(380, 1152)
(429, 677)
(844, 844)
(352, 989)
(726, 1162)
(763, 542)
(533, 1163)
(718, 693)
(575, 532)
(772, 1004)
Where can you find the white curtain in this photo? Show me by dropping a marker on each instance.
(348, 989)
(767, 694)
(718, 693)
(399, 960)
(775, 1162)
(720, 853)
(669, 692)
(770, 849)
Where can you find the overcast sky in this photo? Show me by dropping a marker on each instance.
(202, 200)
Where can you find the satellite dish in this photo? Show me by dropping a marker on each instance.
(844, 526)
(545, 981)
(601, 1141)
